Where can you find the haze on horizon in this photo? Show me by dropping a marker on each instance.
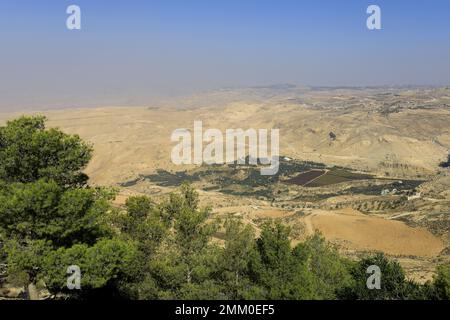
(128, 53)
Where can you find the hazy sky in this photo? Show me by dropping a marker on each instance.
(130, 50)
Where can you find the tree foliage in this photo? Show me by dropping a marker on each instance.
(441, 283)
(43, 210)
(29, 152)
(49, 218)
(394, 284)
(107, 260)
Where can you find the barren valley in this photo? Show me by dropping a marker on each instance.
(364, 166)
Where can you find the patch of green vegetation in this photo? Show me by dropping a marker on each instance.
(235, 179)
(335, 176)
(246, 180)
(401, 186)
(315, 197)
(167, 179)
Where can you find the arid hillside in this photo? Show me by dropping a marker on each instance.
(392, 132)
(394, 139)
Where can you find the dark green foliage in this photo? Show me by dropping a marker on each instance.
(224, 177)
(394, 285)
(337, 176)
(144, 224)
(191, 258)
(233, 264)
(28, 153)
(247, 181)
(441, 282)
(330, 270)
(25, 261)
(311, 270)
(43, 210)
(278, 273)
(100, 264)
(139, 207)
(49, 218)
(176, 258)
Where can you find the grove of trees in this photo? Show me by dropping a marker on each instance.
(50, 219)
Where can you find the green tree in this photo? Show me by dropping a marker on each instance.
(102, 265)
(331, 272)
(143, 224)
(233, 264)
(25, 261)
(394, 285)
(271, 260)
(441, 282)
(48, 213)
(278, 273)
(139, 207)
(184, 265)
(43, 210)
(29, 152)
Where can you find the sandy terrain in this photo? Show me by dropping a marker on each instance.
(357, 231)
(132, 141)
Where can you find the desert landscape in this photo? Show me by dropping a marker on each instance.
(367, 167)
